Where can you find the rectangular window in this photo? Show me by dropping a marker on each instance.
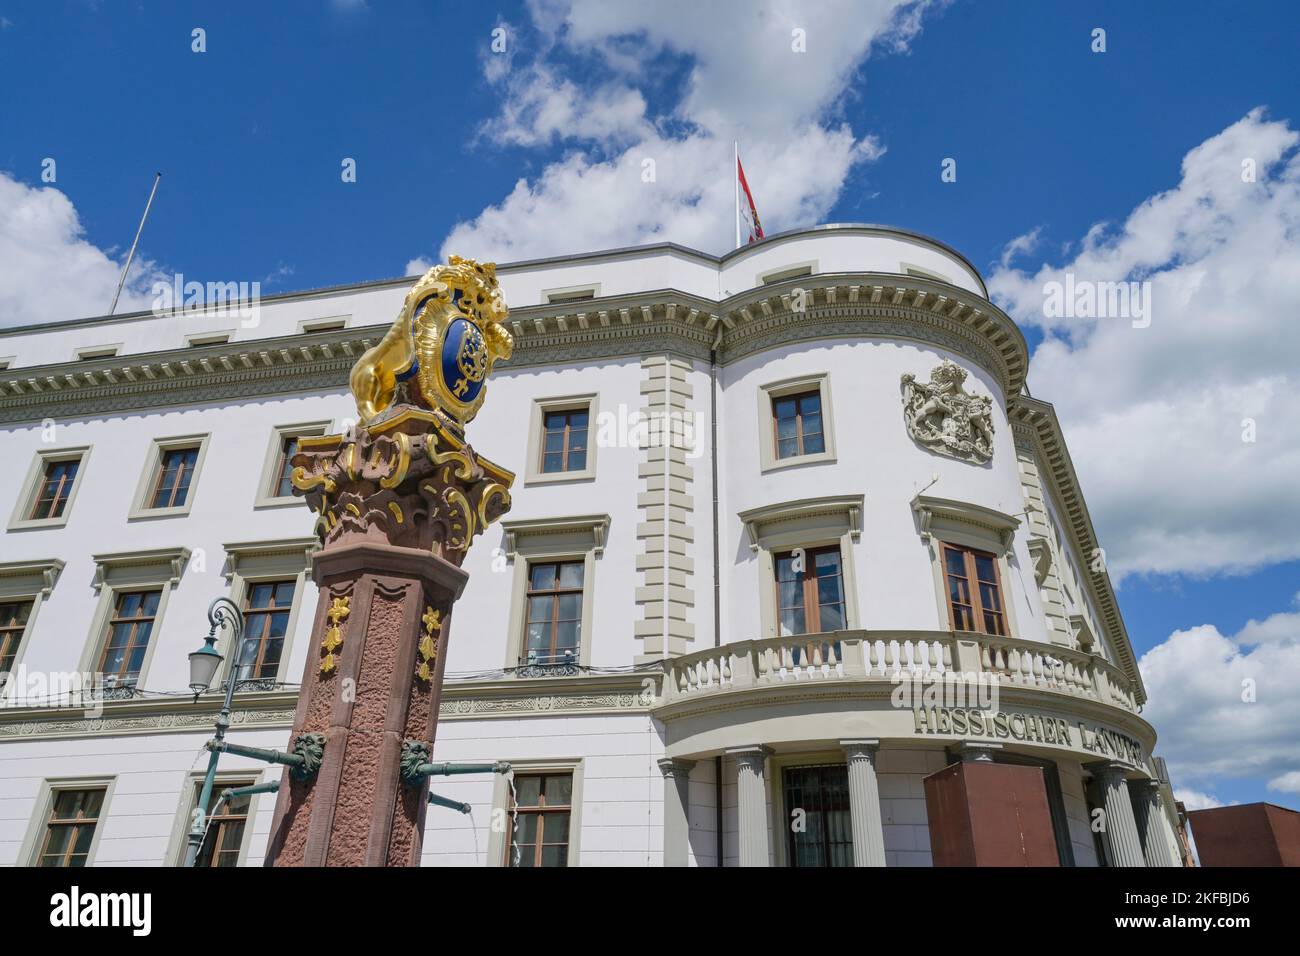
(266, 619)
(974, 594)
(13, 621)
(822, 794)
(810, 590)
(564, 441)
(797, 423)
(226, 829)
(542, 808)
(129, 630)
(553, 624)
(74, 815)
(175, 471)
(284, 468)
(54, 489)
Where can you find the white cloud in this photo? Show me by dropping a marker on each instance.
(1223, 708)
(587, 90)
(1287, 783)
(1196, 800)
(1156, 416)
(1282, 626)
(49, 271)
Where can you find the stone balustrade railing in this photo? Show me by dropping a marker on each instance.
(882, 655)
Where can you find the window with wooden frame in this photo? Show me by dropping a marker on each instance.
(809, 590)
(225, 833)
(176, 468)
(797, 424)
(974, 590)
(564, 440)
(130, 627)
(13, 622)
(542, 808)
(553, 622)
(70, 829)
(283, 476)
(266, 621)
(54, 489)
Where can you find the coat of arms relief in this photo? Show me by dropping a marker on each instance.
(946, 419)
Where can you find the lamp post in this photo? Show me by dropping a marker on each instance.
(203, 667)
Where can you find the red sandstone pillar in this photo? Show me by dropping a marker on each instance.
(398, 503)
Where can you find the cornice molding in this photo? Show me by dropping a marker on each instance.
(1049, 448)
(668, 321)
(37, 576)
(595, 525)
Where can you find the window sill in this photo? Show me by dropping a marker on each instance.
(559, 477)
(286, 502)
(146, 514)
(35, 524)
(818, 458)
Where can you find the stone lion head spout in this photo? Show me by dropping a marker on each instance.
(441, 348)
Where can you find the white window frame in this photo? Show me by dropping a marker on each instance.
(131, 571)
(566, 295)
(266, 498)
(791, 270)
(821, 382)
(807, 523)
(178, 842)
(40, 820)
(149, 477)
(32, 482)
(253, 562)
(966, 525)
(533, 474)
(28, 581)
(581, 538)
(501, 788)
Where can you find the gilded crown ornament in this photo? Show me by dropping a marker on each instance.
(943, 417)
(441, 348)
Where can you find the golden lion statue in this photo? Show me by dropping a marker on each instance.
(441, 348)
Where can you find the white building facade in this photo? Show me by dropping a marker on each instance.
(765, 504)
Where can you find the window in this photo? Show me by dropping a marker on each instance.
(576, 293)
(810, 591)
(564, 444)
(822, 793)
(974, 595)
(99, 351)
(324, 325)
(13, 622)
(225, 834)
(175, 472)
(797, 423)
(212, 338)
(786, 272)
(266, 621)
(129, 630)
(55, 489)
(284, 471)
(74, 815)
(542, 808)
(554, 620)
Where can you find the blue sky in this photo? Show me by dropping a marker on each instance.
(1050, 139)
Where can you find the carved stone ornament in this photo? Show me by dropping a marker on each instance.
(944, 418)
(409, 480)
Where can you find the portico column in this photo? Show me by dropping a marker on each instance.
(1120, 831)
(751, 804)
(864, 802)
(677, 826)
(1151, 823)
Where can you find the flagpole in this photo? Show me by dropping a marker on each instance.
(735, 176)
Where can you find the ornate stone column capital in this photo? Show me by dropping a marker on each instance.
(859, 748)
(675, 767)
(972, 752)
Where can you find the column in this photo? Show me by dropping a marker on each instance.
(864, 802)
(1157, 848)
(1120, 831)
(751, 803)
(677, 825)
(398, 503)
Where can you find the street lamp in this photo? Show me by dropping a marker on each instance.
(203, 667)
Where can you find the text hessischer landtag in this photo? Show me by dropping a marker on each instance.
(1033, 728)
